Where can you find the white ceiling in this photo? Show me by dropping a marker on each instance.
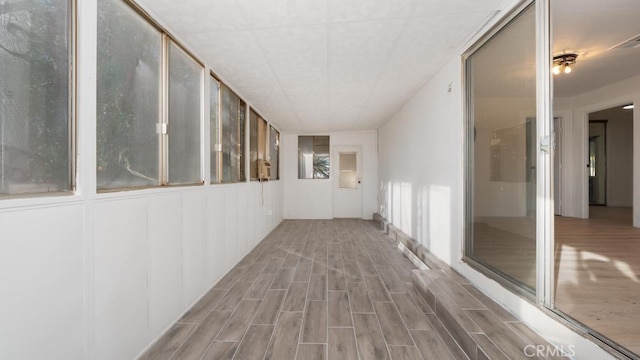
(324, 65)
(591, 28)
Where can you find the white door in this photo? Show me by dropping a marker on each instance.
(347, 182)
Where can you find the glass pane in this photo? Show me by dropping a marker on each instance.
(128, 97)
(502, 110)
(597, 233)
(321, 160)
(305, 157)
(34, 97)
(229, 112)
(242, 111)
(214, 104)
(185, 76)
(253, 145)
(274, 153)
(347, 161)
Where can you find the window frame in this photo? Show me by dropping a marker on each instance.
(216, 150)
(277, 147)
(262, 138)
(72, 118)
(467, 85)
(162, 123)
(241, 176)
(329, 177)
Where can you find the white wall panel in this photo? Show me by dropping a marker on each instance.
(313, 198)
(165, 261)
(194, 247)
(216, 234)
(121, 278)
(41, 306)
(232, 233)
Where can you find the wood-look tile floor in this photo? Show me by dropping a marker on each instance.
(313, 289)
(597, 266)
(598, 273)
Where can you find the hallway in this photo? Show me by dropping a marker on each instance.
(313, 289)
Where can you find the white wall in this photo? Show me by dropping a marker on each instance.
(313, 198)
(620, 159)
(421, 190)
(575, 114)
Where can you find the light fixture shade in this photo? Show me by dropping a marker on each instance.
(628, 107)
(563, 63)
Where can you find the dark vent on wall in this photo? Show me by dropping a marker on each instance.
(628, 44)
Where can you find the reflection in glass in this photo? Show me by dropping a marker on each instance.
(34, 96)
(313, 157)
(128, 99)
(185, 76)
(253, 144)
(232, 108)
(274, 152)
(502, 102)
(242, 113)
(214, 113)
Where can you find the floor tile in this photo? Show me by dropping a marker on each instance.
(202, 337)
(255, 342)
(342, 344)
(391, 323)
(315, 322)
(369, 338)
(339, 309)
(268, 312)
(284, 343)
(377, 290)
(221, 350)
(312, 352)
(413, 317)
(318, 287)
(296, 297)
(239, 321)
(404, 353)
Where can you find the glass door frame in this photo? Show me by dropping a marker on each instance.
(544, 294)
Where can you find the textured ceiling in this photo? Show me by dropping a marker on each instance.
(591, 28)
(323, 65)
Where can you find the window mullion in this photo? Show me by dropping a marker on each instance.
(164, 114)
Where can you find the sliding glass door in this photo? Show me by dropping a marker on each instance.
(502, 177)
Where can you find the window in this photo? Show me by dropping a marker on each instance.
(138, 143)
(233, 122)
(501, 145)
(214, 108)
(313, 157)
(274, 152)
(257, 142)
(35, 118)
(185, 86)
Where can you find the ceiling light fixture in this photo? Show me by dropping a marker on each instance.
(563, 63)
(628, 107)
